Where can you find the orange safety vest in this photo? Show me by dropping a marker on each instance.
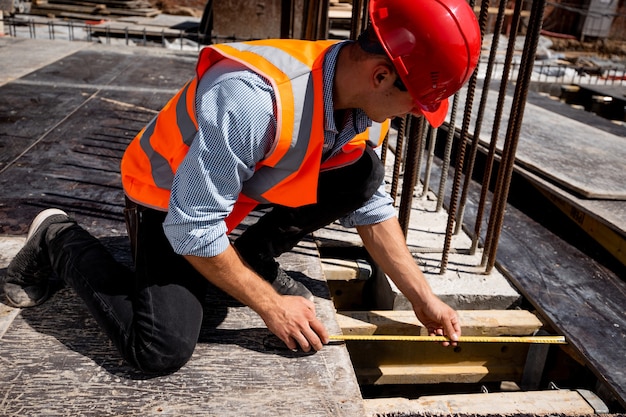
(288, 174)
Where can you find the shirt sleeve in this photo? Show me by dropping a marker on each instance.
(236, 128)
(377, 209)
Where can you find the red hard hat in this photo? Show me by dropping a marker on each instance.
(434, 46)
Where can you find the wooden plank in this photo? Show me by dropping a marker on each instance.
(554, 402)
(346, 269)
(403, 362)
(587, 161)
(437, 374)
(613, 241)
(573, 292)
(473, 322)
(399, 362)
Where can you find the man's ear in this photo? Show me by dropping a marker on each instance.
(382, 74)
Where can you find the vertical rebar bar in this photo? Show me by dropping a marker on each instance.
(383, 148)
(508, 64)
(497, 29)
(429, 161)
(519, 103)
(359, 17)
(445, 168)
(469, 168)
(398, 159)
(458, 170)
(420, 154)
(410, 173)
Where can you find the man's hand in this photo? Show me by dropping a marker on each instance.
(291, 318)
(439, 319)
(385, 242)
(295, 323)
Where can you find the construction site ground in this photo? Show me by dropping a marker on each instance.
(67, 111)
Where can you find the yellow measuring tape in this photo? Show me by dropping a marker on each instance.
(559, 340)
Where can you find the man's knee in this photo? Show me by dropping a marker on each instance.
(162, 359)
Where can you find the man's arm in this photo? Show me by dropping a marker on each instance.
(290, 318)
(385, 242)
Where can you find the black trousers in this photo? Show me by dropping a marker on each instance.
(153, 314)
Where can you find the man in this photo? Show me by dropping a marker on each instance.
(288, 124)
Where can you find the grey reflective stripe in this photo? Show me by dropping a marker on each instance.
(267, 177)
(303, 95)
(287, 63)
(185, 122)
(162, 173)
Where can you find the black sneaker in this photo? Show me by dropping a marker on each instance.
(26, 283)
(285, 285)
(268, 269)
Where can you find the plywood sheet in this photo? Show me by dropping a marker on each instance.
(589, 162)
(57, 362)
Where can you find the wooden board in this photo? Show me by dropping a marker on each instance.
(577, 295)
(399, 362)
(574, 293)
(473, 322)
(538, 403)
(402, 362)
(588, 161)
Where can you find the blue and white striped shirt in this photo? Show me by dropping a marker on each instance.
(235, 110)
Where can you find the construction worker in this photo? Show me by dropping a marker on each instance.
(288, 125)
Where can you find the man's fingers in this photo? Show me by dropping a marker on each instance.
(453, 329)
(303, 342)
(320, 330)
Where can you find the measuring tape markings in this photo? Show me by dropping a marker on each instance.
(468, 339)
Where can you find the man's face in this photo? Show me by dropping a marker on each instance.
(391, 102)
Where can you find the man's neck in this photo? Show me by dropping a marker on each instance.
(342, 82)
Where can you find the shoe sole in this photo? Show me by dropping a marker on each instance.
(40, 218)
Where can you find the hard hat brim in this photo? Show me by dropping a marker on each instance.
(434, 116)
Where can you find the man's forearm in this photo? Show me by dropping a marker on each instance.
(291, 318)
(228, 272)
(386, 244)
